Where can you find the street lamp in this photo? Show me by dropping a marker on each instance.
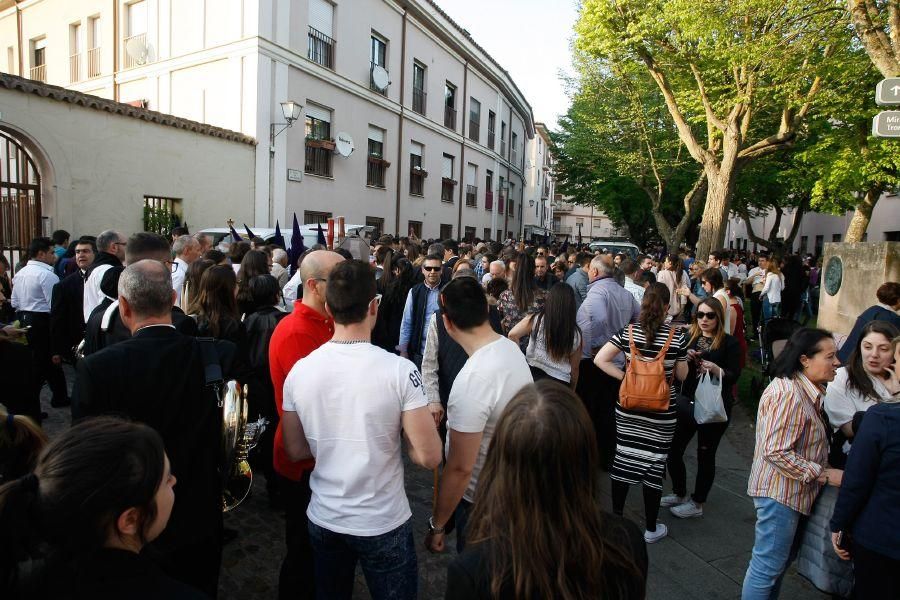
(291, 111)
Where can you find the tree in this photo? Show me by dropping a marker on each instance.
(717, 64)
(615, 144)
(877, 24)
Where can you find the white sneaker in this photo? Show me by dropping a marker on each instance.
(687, 510)
(651, 537)
(673, 500)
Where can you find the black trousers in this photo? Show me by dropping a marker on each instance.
(708, 437)
(296, 579)
(19, 394)
(877, 576)
(39, 343)
(599, 393)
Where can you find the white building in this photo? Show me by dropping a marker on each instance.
(816, 228)
(538, 209)
(440, 149)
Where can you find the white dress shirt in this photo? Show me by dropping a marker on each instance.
(179, 272)
(33, 287)
(289, 292)
(92, 294)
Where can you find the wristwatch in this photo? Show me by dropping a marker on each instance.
(432, 529)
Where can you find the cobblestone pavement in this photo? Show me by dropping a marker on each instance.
(701, 557)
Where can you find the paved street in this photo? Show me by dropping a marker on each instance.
(703, 558)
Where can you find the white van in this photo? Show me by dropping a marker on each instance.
(616, 247)
(310, 233)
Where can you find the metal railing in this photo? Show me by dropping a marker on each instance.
(489, 200)
(471, 195)
(474, 130)
(450, 117)
(318, 161)
(320, 49)
(416, 184)
(39, 73)
(134, 61)
(375, 172)
(561, 229)
(491, 139)
(419, 97)
(503, 148)
(447, 191)
(93, 61)
(75, 68)
(513, 157)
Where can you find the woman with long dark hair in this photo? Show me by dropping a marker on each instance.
(523, 296)
(214, 307)
(673, 277)
(236, 254)
(712, 351)
(75, 527)
(643, 438)
(401, 279)
(554, 344)
(536, 529)
(192, 279)
(21, 441)
(254, 263)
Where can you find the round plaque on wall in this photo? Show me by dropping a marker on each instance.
(834, 273)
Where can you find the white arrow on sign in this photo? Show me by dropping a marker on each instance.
(887, 93)
(895, 90)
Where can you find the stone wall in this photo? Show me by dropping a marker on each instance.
(864, 266)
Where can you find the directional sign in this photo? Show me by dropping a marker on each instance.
(886, 124)
(887, 93)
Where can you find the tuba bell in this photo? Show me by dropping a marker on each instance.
(238, 438)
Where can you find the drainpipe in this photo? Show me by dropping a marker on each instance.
(462, 150)
(115, 64)
(508, 154)
(400, 118)
(19, 27)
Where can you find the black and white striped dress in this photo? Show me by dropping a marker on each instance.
(643, 438)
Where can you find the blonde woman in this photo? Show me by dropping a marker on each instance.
(771, 292)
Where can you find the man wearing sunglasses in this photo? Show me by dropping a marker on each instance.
(421, 303)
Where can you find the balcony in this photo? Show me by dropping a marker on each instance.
(450, 117)
(318, 160)
(503, 147)
(375, 170)
(514, 157)
(132, 61)
(474, 130)
(39, 73)
(419, 97)
(562, 229)
(75, 68)
(471, 195)
(491, 138)
(320, 48)
(563, 207)
(93, 61)
(489, 201)
(447, 187)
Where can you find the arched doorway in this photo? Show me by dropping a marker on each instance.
(20, 196)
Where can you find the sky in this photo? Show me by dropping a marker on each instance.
(530, 39)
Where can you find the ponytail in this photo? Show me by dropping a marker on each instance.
(21, 442)
(653, 311)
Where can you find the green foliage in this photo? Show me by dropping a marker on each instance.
(160, 220)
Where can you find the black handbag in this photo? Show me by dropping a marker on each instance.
(684, 405)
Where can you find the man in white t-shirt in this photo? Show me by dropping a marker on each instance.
(346, 405)
(110, 253)
(495, 371)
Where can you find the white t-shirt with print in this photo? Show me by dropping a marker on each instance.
(350, 398)
(482, 389)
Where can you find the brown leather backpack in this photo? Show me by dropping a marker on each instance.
(645, 386)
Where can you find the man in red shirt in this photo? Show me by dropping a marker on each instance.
(298, 334)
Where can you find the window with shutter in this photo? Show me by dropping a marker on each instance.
(321, 16)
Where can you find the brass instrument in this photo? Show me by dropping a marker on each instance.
(238, 438)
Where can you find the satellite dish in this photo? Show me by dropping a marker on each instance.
(380, 77)
(343, 144)
(136, 50)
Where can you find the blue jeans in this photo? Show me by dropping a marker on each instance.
(770, 310)
(388, 563)
(778, 533)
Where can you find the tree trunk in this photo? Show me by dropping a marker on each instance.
(715, 213)
(862, 215)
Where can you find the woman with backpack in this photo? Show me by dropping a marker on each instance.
(656, 354)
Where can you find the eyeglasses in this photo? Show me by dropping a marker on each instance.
(120, 243)
(432, 268)
(705, 315)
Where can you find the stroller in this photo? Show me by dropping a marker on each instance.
(773, 337)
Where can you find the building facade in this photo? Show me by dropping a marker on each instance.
(439, 131)
(538, 215)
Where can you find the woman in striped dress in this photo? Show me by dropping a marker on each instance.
(643, 438)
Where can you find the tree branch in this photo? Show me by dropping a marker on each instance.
(873, 38)
(707, 107)
(745, 215)
(798, 217)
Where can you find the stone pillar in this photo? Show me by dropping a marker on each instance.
(851, 273)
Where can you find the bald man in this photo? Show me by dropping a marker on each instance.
(298, 334)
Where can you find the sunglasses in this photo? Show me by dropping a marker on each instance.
(705, 315)
(432, 268)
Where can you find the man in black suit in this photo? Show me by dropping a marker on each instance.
(158, 377)
(66, 305)
(105, 326)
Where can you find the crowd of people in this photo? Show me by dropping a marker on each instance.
(517, 373)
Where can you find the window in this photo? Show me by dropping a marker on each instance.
(474, 119)
(489, 192)
(419, 94)
(804, 243)
(378, 224)
(320, 48)
(514, 149)
(93, 43)
(836, 237)
(492, 123)
(510, 210)
(136, 18)
(375, 163)
(415, 228)
(502, 139)
(487, 233)
(471, 185)
(448, 184)
(820, 245)
(11, 60)
(319, 145)
(312, 217)
(39, 59)
(470, 234)
(446, 231)
(75, 43)
(501, 196)
(161, 214)
(417, 174)
(450, 106)
(378, 58)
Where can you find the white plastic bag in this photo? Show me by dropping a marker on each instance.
(708, 405)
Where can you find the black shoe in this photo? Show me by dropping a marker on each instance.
(60, 403)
